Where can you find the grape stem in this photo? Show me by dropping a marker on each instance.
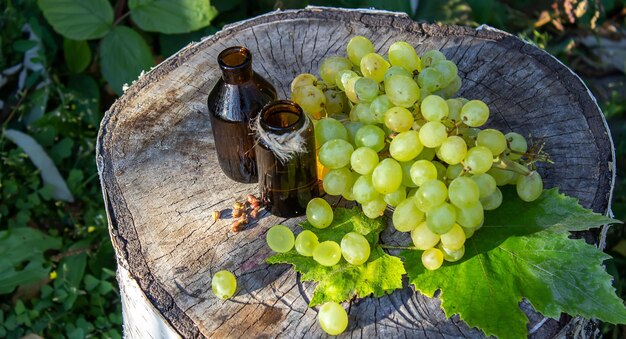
(509, 165)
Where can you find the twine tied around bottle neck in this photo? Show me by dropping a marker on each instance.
(284, 146)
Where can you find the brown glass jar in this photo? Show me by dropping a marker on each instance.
(237, 98)
(286, 185)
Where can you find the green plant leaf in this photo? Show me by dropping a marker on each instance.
(78, 20)
(123, 55)
(523, 251)
(77, 55)
(49, 173)
(22, 251)
(381, 274)
(166, 16)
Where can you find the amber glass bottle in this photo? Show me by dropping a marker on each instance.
(286, 186)
(237, 98)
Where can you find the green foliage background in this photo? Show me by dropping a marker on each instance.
(63, 62)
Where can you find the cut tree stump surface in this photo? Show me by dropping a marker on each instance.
(161, 179)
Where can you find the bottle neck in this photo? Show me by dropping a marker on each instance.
(236, 65)
(282, 116)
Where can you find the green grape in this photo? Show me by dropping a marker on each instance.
(493, 139)
(311, 99)
(374, 66)
(319, 213)
(366, 89)
(474, 113)
(350, 89)
(387, 176)
(402, 91)
(432, 259)
(379, 107)
(337, 181)
(327, 129)
(397, 70)
(331, 66)
(327, 253)
(306, 242)
(363, 190)
(363, 113)
(454, 109)
(358, 47)
(469, 134)
(470, 217)
(453, 87)
(279, 238)
(430, 79)
(469, 231)
(492, 201)
(422, 171)
(304, 79)
(452, 255)
(396, 197)
(486, 184)
(431, 57)
(398, 119)
(434, 108)
(447, 69)
(529, 187)
(453, 171)
(335, 153)
(513, 180)
(406, 173)
(352, 127)
(452, 150)
(336, 102)
(405, 146)
(430, 194)
(347, 194)
(423, 92)
(441, 170)
(355, 248)
(423, 238)
(454, 239)
(402, 54)
(440, 219)
(463, 192)
(370, 136)
(433, 133)
(501, 176)
(342, 78)
(517, 144)
(406, 216)
(478, 160)
(224, 284)
(333, 318)
(374, 208)
(426, 154)
(363, 160)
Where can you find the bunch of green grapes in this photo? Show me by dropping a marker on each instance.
(390, 132)
(353, 248)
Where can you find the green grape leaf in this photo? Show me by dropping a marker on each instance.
(77, 55)
(171, 17)
(523, 251)
(381, 274)
(123, 55)
(23, 252)
(78, 20)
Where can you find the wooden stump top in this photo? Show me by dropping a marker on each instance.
(161, 180)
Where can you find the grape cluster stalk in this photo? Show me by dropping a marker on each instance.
(390, 132)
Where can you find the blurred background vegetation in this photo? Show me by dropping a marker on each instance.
(62, 64)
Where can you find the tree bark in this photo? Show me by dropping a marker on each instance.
(161, 180)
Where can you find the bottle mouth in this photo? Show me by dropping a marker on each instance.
(236, 57)
(282, 116)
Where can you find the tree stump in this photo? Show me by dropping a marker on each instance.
(161, 180)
